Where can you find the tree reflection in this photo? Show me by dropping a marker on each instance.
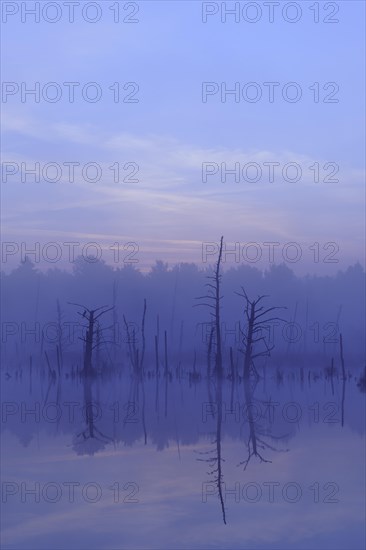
(215, 459)
(256, 443)
(90, 440)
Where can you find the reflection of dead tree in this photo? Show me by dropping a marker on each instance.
(256, 443)
(93, 329)
(215, 461)
(134, 401)
(257, 324)
(214, 295)
(361, 384)
(157, 366)
(166, 373)
(91, 439)
(137, 362)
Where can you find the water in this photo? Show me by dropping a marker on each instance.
(182, 462)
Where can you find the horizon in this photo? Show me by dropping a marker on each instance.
(310, 260)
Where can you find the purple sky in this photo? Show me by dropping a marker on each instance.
(172, 148)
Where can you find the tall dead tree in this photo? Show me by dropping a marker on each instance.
(257, 324)
(343, 376)
(143, 337)
(136, 358)
(60, 351)
(91, 340)
(214, 299)
(115, 318)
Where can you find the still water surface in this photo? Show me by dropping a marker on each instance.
(180, 462)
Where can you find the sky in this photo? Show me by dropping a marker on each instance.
(150, 153)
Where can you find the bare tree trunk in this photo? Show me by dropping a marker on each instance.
(89, 345)
(60, 343)
(91, 316)
(166, 353)
(143, 337)
(115, 320)
(209, 353)
(217, 313)
(249, 346)
(343, 377)
(156, 357)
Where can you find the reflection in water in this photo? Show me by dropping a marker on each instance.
(91, 439)
(215, 460)
(257, 434)
(207, 418)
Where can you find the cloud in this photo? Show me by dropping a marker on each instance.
(170, 198)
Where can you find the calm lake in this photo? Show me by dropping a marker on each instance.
(180, 461)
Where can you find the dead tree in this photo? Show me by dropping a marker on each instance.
(143, 337)
(131, 340)
(257, 323)
(115, 318)
(214, 298)
(209, 348)
(343, 376)
(136, 358)
(157, 347)
(255, 345)
(90, 339)
(60, 338)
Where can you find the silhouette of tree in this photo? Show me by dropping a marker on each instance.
(214, 297)
(93, 332)
(257, 324)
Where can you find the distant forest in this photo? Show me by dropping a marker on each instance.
(46, 313)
